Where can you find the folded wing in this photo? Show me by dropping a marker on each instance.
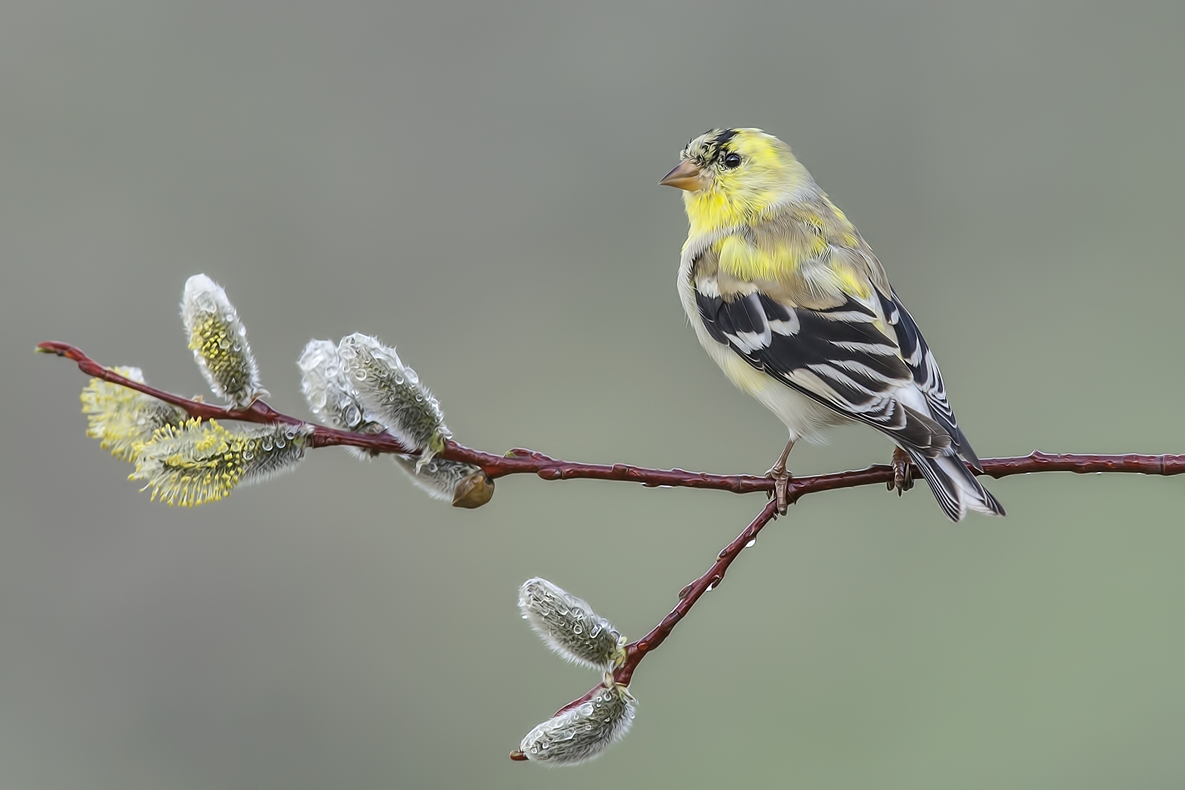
(840, 357)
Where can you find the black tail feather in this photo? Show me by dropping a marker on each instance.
(955, 487)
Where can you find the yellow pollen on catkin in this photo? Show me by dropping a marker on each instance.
(201, 461)
(222, 355)
(123, 419)
(204, 465)
(218, 340)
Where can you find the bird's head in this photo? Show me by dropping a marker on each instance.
(733, 176)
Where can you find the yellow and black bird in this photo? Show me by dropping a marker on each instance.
(790, 302)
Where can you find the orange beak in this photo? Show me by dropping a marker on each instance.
(686, 175)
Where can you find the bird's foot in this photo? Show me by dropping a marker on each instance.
(902, 472)
(781, 490)
(781, 479)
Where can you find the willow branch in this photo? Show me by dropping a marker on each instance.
(708, 581)
(522, 461)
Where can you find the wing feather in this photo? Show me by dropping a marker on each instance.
(926, 375)
(838, 356)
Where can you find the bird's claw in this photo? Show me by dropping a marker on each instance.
(781, 490)
(902, 472)
(781, 479)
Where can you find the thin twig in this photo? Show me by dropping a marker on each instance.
(708, 581)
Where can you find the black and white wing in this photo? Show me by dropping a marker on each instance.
(866, 360)
(840, 357)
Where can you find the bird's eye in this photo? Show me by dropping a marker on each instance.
(732, 160)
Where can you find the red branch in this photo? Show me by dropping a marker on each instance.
(710, 580)
(520, 461)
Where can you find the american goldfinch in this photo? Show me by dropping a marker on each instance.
(790, 302)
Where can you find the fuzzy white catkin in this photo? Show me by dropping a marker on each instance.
(568, 625)
(219, 342)
(332, 396)
(392, 394)
(583, 732)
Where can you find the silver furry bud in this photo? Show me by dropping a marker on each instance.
(331, 388)
(392, 394)
(569, 626)
(330, 395)
(582, 732)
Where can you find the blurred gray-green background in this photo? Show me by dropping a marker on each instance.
(476, 184)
